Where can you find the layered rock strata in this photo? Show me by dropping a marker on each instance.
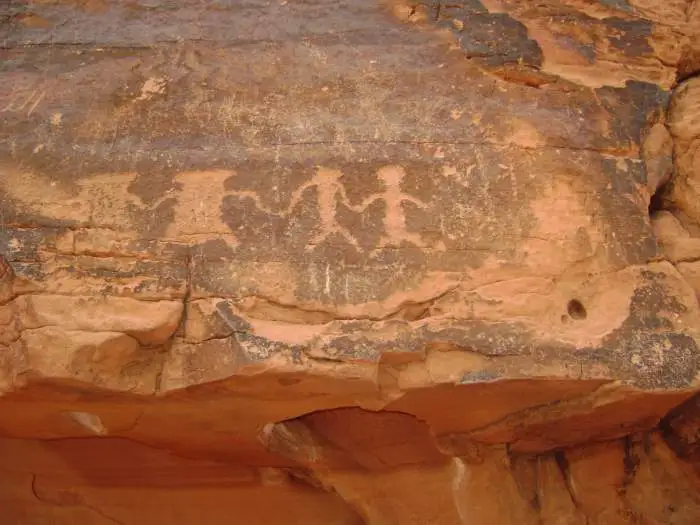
(350, 263)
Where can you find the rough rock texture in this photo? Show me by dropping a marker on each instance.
(358, 262)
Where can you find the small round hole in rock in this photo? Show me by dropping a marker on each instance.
(576, 310)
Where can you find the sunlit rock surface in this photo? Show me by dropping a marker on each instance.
(314, 262)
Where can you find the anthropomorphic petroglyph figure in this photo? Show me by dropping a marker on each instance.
(395, 218)
(328, 189)
(330, 192)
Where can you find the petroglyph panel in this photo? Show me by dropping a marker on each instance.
(343, 231)
(342, 162)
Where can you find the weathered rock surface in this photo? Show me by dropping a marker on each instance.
(341, 263)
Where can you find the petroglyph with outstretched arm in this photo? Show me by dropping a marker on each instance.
(394, 197)
(330, 193)
(328, 188)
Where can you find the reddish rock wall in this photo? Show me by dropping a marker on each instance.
(350, 263)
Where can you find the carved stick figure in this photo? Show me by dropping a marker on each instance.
(327, 187)
(395, 218)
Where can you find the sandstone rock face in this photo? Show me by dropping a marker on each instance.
(350, 263)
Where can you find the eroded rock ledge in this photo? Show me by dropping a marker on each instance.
(366, 263)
